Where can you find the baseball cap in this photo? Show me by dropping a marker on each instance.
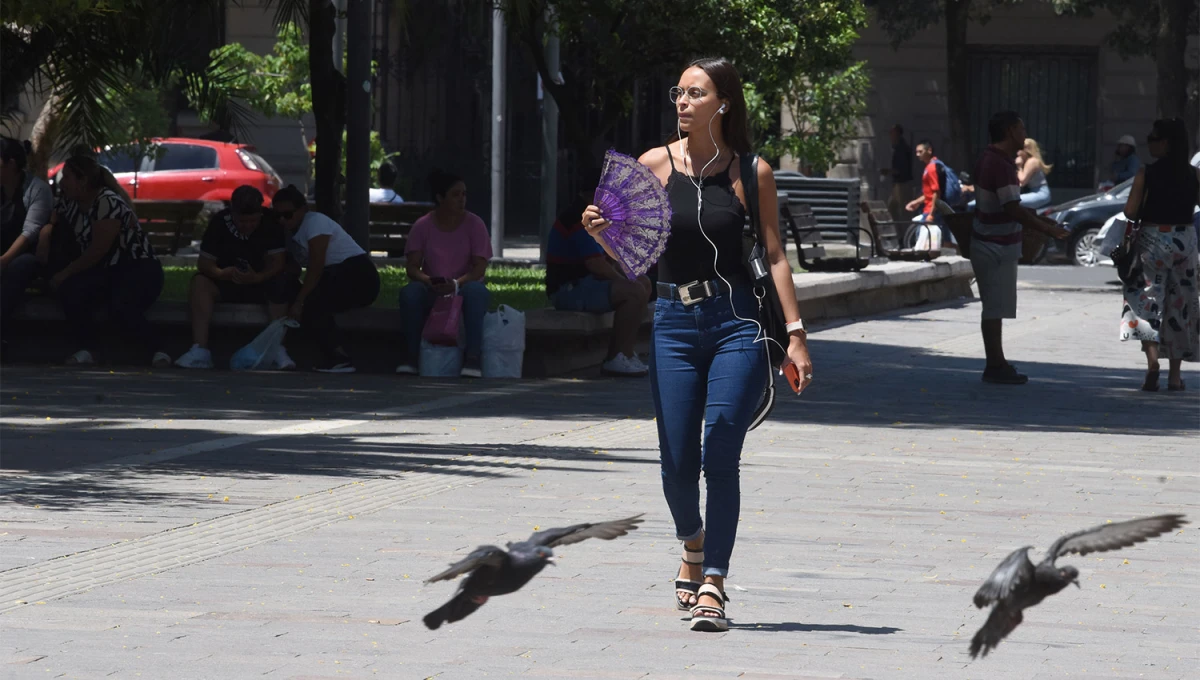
(1127, 139)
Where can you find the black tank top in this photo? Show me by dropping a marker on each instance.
(1173, 192)
(689, 256)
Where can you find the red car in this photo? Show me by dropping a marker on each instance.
(190, 170)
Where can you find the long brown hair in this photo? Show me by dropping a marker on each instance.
(735, 125)
(96, 176)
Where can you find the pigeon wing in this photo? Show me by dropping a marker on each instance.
(1012, 572)
(1000, 623)
(484, 555)
(1114, 536)
(580, 532)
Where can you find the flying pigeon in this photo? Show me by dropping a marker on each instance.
(1016, 584)
(495, 571)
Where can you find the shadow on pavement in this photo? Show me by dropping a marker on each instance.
(891, 386)
(330, 456)
(793, 627)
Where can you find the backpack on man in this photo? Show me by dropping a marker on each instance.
(952, 193)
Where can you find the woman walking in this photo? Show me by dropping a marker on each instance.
(1162, 309)
(707, 371)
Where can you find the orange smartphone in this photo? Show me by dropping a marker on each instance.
(793, 377)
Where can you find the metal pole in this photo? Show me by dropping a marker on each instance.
(358, 121)
(549, 148)
(499, 49)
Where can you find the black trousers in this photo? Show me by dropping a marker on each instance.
(129, 288)
(349, 285)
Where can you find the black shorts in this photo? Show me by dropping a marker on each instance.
(279, 290)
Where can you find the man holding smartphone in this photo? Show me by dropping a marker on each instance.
(242, 259)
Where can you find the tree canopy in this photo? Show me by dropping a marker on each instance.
(788, 51)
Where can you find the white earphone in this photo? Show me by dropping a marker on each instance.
(761, 335)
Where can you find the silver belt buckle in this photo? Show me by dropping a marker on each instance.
(685, 293)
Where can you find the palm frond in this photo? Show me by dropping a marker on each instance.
(291, 11)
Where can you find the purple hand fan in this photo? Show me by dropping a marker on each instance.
(635, 203)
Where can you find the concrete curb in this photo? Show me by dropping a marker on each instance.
(559, 343)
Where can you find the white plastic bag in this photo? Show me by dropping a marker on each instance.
(503, 343)
(440, 361)
(262, 349)
(1110, 234)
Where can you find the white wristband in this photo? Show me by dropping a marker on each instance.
(456, 286)
(796, 326)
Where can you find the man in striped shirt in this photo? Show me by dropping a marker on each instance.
(996, 241)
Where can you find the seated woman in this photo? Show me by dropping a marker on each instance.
(1031, 172)
(339, 275)
(448, 252)
(25, 205)
(116, 264)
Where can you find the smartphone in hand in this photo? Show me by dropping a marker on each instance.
(793, 377)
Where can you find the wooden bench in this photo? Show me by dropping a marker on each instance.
(813, 251)
(168, 224)
(390, 224)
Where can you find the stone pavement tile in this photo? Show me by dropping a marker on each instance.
(866, 530)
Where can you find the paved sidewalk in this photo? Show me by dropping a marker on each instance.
(169, 525)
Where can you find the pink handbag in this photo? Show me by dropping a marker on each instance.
(441, 328)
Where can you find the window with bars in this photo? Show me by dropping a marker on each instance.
(1055, 92)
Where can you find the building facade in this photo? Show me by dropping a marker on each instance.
(1076, 94)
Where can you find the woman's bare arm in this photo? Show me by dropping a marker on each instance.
(1133, 204)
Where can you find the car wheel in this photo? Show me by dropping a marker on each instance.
(1083, 247)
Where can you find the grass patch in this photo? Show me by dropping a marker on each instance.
(518, 287)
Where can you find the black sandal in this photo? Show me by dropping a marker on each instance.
(1151, 383)
(710, 624)
(687, 585)
(1176, 388)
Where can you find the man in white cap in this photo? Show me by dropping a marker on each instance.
(1127, 162)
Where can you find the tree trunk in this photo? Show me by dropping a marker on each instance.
(44, 137)
(1169, 51)
(958, 76)
(329, 106)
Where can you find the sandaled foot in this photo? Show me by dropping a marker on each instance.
(1151, 382)
(686, 587)
(1177, 387)
(709, 613)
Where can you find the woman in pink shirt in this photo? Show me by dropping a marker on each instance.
(448, 252)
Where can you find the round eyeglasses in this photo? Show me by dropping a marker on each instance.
(692, 93)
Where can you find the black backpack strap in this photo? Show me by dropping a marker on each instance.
(749, 165)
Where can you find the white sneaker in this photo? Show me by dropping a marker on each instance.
(196, 357)
(161, 360)
(81, 358)
(625, 367)
(282, 361)
(407, 369)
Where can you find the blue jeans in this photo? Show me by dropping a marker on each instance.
(588, 294)
(14, 279)
(705, 370)
(1036, 199)
(416, 300)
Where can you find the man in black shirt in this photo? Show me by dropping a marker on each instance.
(242, 259)
(901, 173)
